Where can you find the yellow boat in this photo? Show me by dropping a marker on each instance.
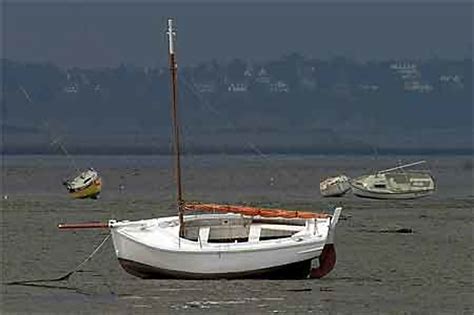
(87, 184)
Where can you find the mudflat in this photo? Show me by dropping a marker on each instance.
(392, 256)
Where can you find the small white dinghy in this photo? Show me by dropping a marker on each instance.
(335, 186)
(231, 242)
(395, 183)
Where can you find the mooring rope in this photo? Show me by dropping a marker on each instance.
(54, 139)
(67, 275)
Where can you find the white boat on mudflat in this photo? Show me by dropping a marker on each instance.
(395, 183)
(87, 184)
(226, 246)
(231, 242)
(335, 186)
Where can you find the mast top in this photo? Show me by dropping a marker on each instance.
(171, 35)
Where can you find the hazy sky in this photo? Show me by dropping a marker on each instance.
(81, 33)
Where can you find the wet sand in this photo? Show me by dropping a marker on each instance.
(427, 271)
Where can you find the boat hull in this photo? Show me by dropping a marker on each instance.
(335, 186)
(91, 191)
(394, 185)
(390, 196)
(298, 270)
(336, 190)
(158, 253)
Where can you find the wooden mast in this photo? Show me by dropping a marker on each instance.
(174, 113)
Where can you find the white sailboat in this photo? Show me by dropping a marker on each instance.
(87, 184)
(395, 183)
(335, 186)
(231, 242)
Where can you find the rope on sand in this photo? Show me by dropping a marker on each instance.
(67, 275)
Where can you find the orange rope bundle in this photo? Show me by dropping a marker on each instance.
(252, 211)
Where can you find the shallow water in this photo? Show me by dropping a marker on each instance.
(428, 271)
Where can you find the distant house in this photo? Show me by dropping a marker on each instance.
(452, 81)
(279, 87)
(406, 70)
(71, 88)
(263, 77)
(416, 86)
(237, 87)
(248, 73)
(411, 77)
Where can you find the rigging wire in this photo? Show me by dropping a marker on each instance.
(57, 141)
(252, 146)
(212, 109)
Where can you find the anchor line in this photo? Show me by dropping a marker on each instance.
(54, 140)
(57, 141)
(67, 275)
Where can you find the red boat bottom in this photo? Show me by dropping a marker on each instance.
(327, 261)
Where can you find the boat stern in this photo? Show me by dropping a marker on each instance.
(327, 259)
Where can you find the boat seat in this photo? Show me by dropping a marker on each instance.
(310, 226)
(204, 234)
(254, 233)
